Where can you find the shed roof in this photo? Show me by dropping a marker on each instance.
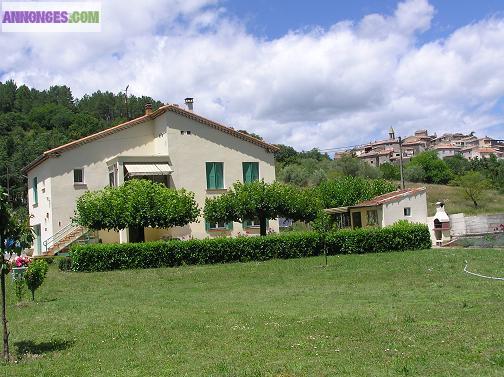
(390, 197)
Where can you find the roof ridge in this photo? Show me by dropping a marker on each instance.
(141, 119)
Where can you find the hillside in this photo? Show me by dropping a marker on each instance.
(453, 197)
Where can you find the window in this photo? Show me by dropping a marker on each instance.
(185, 132)
(218, 226)
(407, 211)
(254, 223)
(372, 217)
(250, 171)
(215, 175)
(35, 191)
(78, 175)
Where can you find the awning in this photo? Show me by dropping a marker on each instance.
(148, 169)
(332, 211)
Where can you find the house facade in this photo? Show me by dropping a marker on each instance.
(171, 145)
(384, 210)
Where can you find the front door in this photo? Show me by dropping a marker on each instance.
(356, 220)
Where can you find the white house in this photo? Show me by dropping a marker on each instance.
(384, 210)
(171, 145)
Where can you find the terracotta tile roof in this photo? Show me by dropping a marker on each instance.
(486, 150)
(390, 197)
(144, 118)
(446, 146)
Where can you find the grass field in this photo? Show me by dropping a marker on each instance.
(492, 201)
(412, 313)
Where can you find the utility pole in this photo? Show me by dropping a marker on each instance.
(401, 163)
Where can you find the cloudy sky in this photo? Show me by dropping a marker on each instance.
(310, 74)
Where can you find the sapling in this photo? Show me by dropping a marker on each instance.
(35, 275)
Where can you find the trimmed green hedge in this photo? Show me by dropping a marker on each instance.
(104, 257)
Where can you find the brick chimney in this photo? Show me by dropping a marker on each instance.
(148, 108)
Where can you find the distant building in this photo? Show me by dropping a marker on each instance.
(447, 145)
(408, 204)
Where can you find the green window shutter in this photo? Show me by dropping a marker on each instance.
(35, 191)
(254, 167)
(250, 171)
(247, 223)
(229, 225)
(246, 172)
(210, 174)
(219, 175)
(207, 225)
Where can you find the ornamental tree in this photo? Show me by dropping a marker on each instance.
(136, 204)
(15, 235)
(247, 201)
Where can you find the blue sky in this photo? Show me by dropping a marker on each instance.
(348, 72)
(272, 19)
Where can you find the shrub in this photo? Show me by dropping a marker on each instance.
(65, 264)
(35, 275)
(103, 257)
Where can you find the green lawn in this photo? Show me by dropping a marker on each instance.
(413, 313)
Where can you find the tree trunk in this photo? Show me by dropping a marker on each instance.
(262, 221)
(4, 306)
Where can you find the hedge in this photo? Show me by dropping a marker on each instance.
(105, 257)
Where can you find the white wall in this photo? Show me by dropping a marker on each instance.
(394, 211)
(42, 211)
(187, 153)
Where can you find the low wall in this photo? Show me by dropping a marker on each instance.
(462, 225)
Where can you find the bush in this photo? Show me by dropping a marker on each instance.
(35, 275)
(65, 264)
(104, 257)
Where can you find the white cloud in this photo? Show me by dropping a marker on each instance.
(315, 88)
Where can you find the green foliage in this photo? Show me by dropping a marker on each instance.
(14, 226)
(19, 288)
(492, 169)
(348, 191)
(474, 185)
(246, 201)
(436, 170)
(137, 203)
(457, 164)
(33, 121)
(35, 275)
(65, 264)
(414, 173)
(390, 171)
(104, 257)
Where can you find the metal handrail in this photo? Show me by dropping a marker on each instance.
(59, 235)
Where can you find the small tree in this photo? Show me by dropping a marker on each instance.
(15, 234)
(473, 185)
(136, 204)
(246, 201)
(35, 275)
